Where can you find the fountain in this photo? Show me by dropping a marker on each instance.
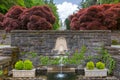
(61, 75)
(61, 48)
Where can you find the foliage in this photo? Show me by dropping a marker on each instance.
(107, 1)
(44, 60)
(29, 54)
(107, 59)
(27, 65)
(88, 3)
(5, 5)
(11, 21)
(4, 36)
(31, 3)
(54, 61)
(1, 17)
(115, 42)
(100, 65)
(35, 18)
(67, 23)
(102, 17)
(56, 25)
(1, 72)
(15, 11)
(1, 20)
(19, 65)
(38, 17)
(77, 57)
(90, 65)
(50, 3)
(23, 65)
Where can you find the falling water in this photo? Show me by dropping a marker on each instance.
(61, 74)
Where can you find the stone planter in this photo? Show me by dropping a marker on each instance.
(95, 72)
(23, 73)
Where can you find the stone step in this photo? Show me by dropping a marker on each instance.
(4, 59)
(112, 48)
(114, 52)
(7, 51)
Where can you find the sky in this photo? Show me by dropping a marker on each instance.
(66, 7)
(72, 1)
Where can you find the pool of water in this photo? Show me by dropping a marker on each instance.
(61, 76)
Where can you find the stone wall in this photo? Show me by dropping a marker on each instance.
(116, 71)
(115, 35)
(5, 38)
(43, 42)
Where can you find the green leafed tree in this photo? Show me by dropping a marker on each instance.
(67, 23)
(50, 3)
(107, 1)
(38, 2)
(88, 3)
(28, 3)
(54, 9)
(6, 4)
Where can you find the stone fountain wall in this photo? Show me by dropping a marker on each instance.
(43, 42)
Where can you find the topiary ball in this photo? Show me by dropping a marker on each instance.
(90, 65)
(19, 65)
(28, 65)
(100, 65)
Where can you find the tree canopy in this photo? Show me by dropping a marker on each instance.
(88, 3)
(5, 5)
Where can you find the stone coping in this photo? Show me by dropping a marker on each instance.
(54, 31)
(5, 46)
(63, 69)
(4, 59)
(115, 46)
(117, 57)
(96, 69)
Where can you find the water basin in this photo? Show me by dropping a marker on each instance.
(61, 76)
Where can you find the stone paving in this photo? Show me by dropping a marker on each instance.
(80, 77)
